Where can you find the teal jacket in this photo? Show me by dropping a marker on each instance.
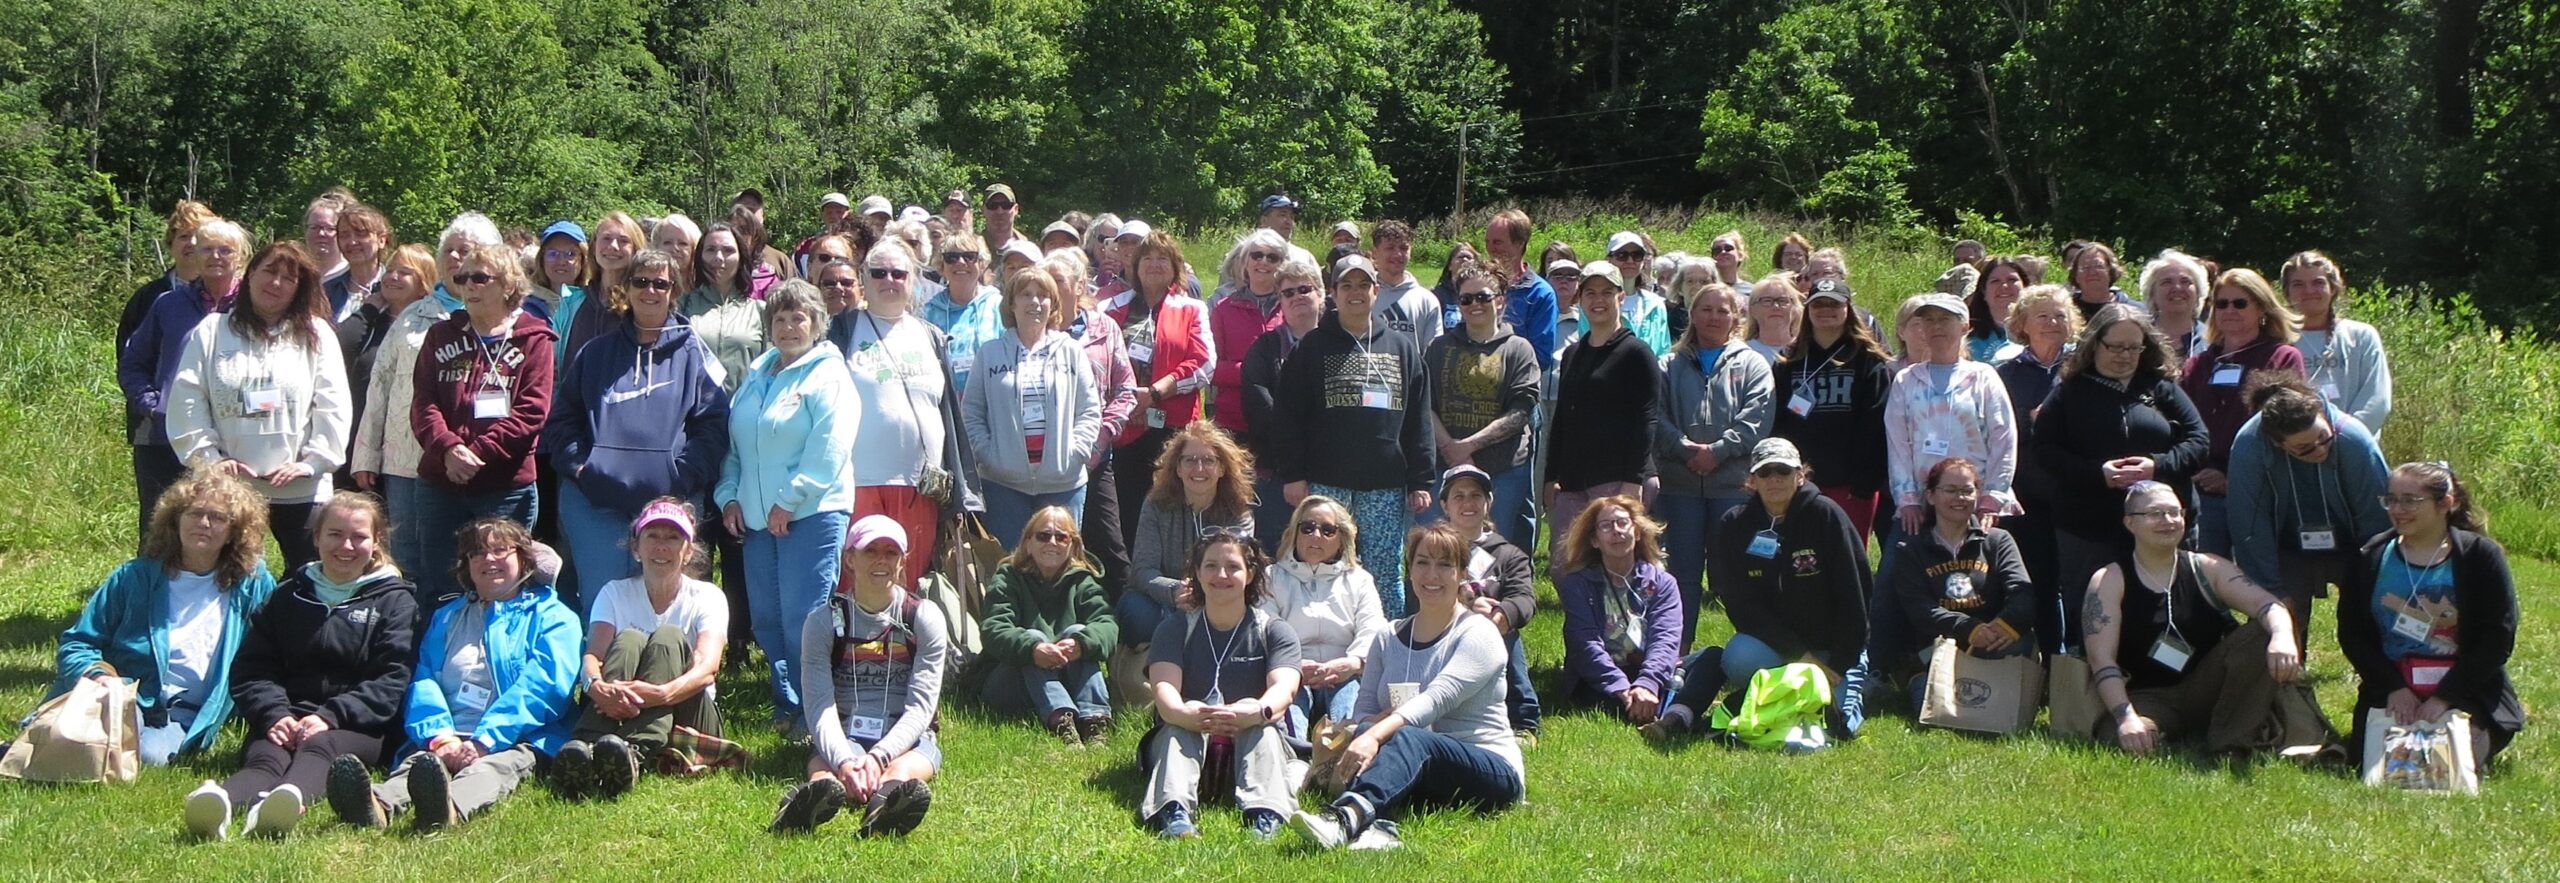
(534, 644)
(791, 437)
(126, 625)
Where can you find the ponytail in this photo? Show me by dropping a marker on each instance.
(2438, 478)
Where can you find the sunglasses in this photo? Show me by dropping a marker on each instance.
(1265, 256)
(1628, 255)
(1476, 297)
(652, 284)
(2235, 303)
(474, 278)
(997, 205)
(1776, 472)
(1310, 528)
(888, 273)
(1052, 535)
(1298, 290)
(839, 283)
(959, 257)
(1723, 248)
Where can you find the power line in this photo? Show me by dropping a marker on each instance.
(1604, 165)
(1585, 113)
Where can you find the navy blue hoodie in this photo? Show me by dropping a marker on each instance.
(632, 423)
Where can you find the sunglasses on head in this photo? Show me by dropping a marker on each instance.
(1475, 297)
(1310, 528)
(652, 284)
(475, 278)
(888, 273)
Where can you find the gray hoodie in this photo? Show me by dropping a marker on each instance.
(1728, 415)
(996, 412)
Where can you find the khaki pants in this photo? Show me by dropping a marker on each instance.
(1262, 771)
(2229, 697)
(486, 781)
(654, 657)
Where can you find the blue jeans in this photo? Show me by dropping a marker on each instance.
(441, 513)
(1522, 698)
(1271, 511)
(1380, 515)
(409, 541)
(1418, 767)
(787, 576)
(1688, 523)
(2213, 524)
(599, 540)
(1707, 672)
(1336, 702)
(1009, 510)
(1076, 686)
(1138, 616)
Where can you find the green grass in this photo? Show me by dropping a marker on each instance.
(1900, 803)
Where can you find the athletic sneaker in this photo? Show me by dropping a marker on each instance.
(1264, 824)
(1380, 836)
(275, 814)
(1173, 822)
(1670, 725)
(351, 793)
(617, 767)
(807, 805)
(897, 808)
(1325, 830)
(1095, 727)
(431, 795)
(208, 811)
(573, 770)
(1062, 724)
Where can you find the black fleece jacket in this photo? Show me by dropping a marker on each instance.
(2089, 421)
(1811, 595)
(1945, 594)
(1603, 427)
(1352, 411)
(349, 664)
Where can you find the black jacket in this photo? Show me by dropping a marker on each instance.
(2484, 600)
(349, 664)
(1842, 437)
(1603, 427)
(1330, 431)
(2088, 422)
(1993, 584)
(1262, 363)
(1508, 580)
(1810, 596)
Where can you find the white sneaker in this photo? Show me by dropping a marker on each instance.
(208, 811)
(1805, 739)
(275, 814)
(1320, 830)
(1381, 836)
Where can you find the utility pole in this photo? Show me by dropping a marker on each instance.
(1461, 213)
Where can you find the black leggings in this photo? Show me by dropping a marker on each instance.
(265, 765)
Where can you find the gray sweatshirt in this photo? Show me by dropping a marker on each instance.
(1162, 546)
(1729, 413)
(878, 679)
(997, 412)
(1459, 690)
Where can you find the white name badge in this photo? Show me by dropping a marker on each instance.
(867, 727)
(2226, 375)
(1402, 692)
(2412, 627)
(1140, 352)
(471, 696)
(1764, 545)
(1155, 418)
(1035, 410)
(1935, 447)
(489, 406)
(2172, 652)
(1375, 396)
(2319, 540)
(1799, 405)
(2329, 391)
(262, 400)
(962, 364)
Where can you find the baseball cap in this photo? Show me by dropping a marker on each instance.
(1775, 451)
(871, 529)
(957, 196)
(1833, 289)
(1352, 262)
(836, 199)
(1348, 227)
(565, 228)
(1023, 247)
(664, 512)
(1277, 201)
(915, 213)
(1056, 227)
(1468, 472)
(1938, 301)
(1560, 264)
(1624, 238)
(1003, 190)
(1134, 230)
(1604, 270)
(875, 204)
(749, 194)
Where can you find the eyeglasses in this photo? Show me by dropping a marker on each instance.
(1315, 528)
(498, 550)
(959, 257)
(2158, 515)
(1300, 289)
(1783, 300)
(1191, 460)
(1475, 297)
(2311, 447)
(2121, 349)
(216, 251)
(1959, 491)
(1565, 274)
(1265, 256)
(2233, 303)
(1052, 535)
(888, 273)
(475, 278)
(2397, 501)
(559, 254)
(216, 517)
(652, 284)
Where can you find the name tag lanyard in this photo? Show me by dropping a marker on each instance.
(490, 397)
(2408, 624)
(2173, 650)
(1800, 399)
(2314, 536)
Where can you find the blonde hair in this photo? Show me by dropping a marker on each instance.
(206, 487)
(1350, 553)
(370, 505)
(1066, 521)
(2281, 323)
(2016, 322)
(1581, 541)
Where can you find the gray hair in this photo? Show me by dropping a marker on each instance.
(795, 295)
(474, 228)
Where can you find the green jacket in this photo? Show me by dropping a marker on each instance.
(1023, 609)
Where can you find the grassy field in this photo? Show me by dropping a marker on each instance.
(1901, 803)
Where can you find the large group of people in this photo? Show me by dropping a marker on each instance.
(529, 493)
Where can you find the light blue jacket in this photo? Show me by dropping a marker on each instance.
(791, 437)
(2266, 481)
(126, 625)
(534, 643)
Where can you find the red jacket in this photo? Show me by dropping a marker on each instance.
(1234, 324)
(1176, 344)
(454, 367)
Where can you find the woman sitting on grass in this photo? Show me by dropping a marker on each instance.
(1434, 732)
(871, 686)
(321, 673)
(491, 696)
(173, 618)
(1222, 672)
(1960, 581)
(1203, 485)
(654, 643)
(1320, 590)
(1048, 626)
(1621, 610)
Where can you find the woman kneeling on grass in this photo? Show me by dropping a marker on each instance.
(1435, 731)
(2167, 658)
(1048, 625)
(2429, 618)
(871, 685)
(654, 643)
(173, 618)
(491, 696)
(321, 674)
(1223, 671)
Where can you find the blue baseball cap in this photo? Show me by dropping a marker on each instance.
(566, 228)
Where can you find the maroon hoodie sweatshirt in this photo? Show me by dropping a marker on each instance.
(489, 396)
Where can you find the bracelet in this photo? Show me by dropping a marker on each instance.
(2110, 673)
